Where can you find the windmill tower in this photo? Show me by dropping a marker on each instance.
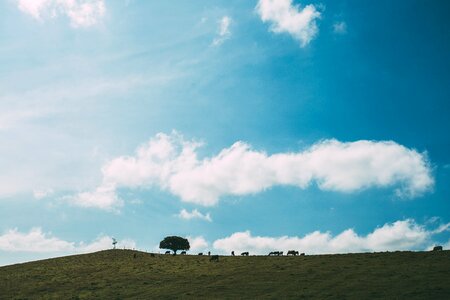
(114, 242)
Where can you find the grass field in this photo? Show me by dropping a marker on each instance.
(116, 274)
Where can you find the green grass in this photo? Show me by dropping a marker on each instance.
(116, 274)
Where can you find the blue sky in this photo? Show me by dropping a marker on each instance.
(243, 125)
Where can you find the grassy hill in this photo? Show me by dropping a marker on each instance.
(116, 274)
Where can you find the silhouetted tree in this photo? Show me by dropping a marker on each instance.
(174, 243)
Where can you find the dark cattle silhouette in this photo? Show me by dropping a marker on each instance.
(276, 253)
(214, 258)
(232, 253)
(209, 253)
(201, 253)
(302, 254)
(292, 252)
(437, 248)
(244, 253)
(183, 253)
(167, 252)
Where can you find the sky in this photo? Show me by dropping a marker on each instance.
(256, 125)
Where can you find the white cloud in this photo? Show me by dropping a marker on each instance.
(33, 241)
(103, 197)
(82, 13)
(170, 162)
(37, 241)
(197, 243)
(224, 32)
(400, 235)
(340, 27)
(286, 17)
(195, 214)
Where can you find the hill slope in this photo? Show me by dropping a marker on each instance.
(117, 274)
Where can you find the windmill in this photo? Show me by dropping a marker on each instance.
(114, 242)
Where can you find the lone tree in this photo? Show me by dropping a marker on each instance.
(174, 243)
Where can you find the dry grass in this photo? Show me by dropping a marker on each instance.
(116, 274)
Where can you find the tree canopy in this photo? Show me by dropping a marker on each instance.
(174, 243)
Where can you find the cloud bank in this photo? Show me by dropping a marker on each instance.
(171, 163)
(38, 241)
(400, 235)
(82, 13)
(285, 17)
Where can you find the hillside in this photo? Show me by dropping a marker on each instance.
(116, 274)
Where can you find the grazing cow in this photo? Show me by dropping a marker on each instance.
(244, 253)
(201, 253)
(292, 252)
(277, 253)
(302, 254)
(183, 253)
(214, 258)
(209, 253)
(167, 252)
(232, 253)
(437, 248)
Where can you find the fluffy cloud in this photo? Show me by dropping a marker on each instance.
(82, 13)
(286, 17)
(103, 197)
(400, 235)
(224, 32)
(39, 242)
(195, 214)
(33, 241)
(170, 162)
(197, 243)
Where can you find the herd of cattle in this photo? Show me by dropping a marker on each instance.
(246, 253)
(273, 253)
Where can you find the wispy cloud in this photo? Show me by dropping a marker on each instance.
(285, 17)
(42, 193)
(224, 32)
(340, 27)
(21, 106)
(195, 214)
(31, 155)
(82, 13)
(38, 241)
(400, 235)
(172, 163)
(12, 118)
